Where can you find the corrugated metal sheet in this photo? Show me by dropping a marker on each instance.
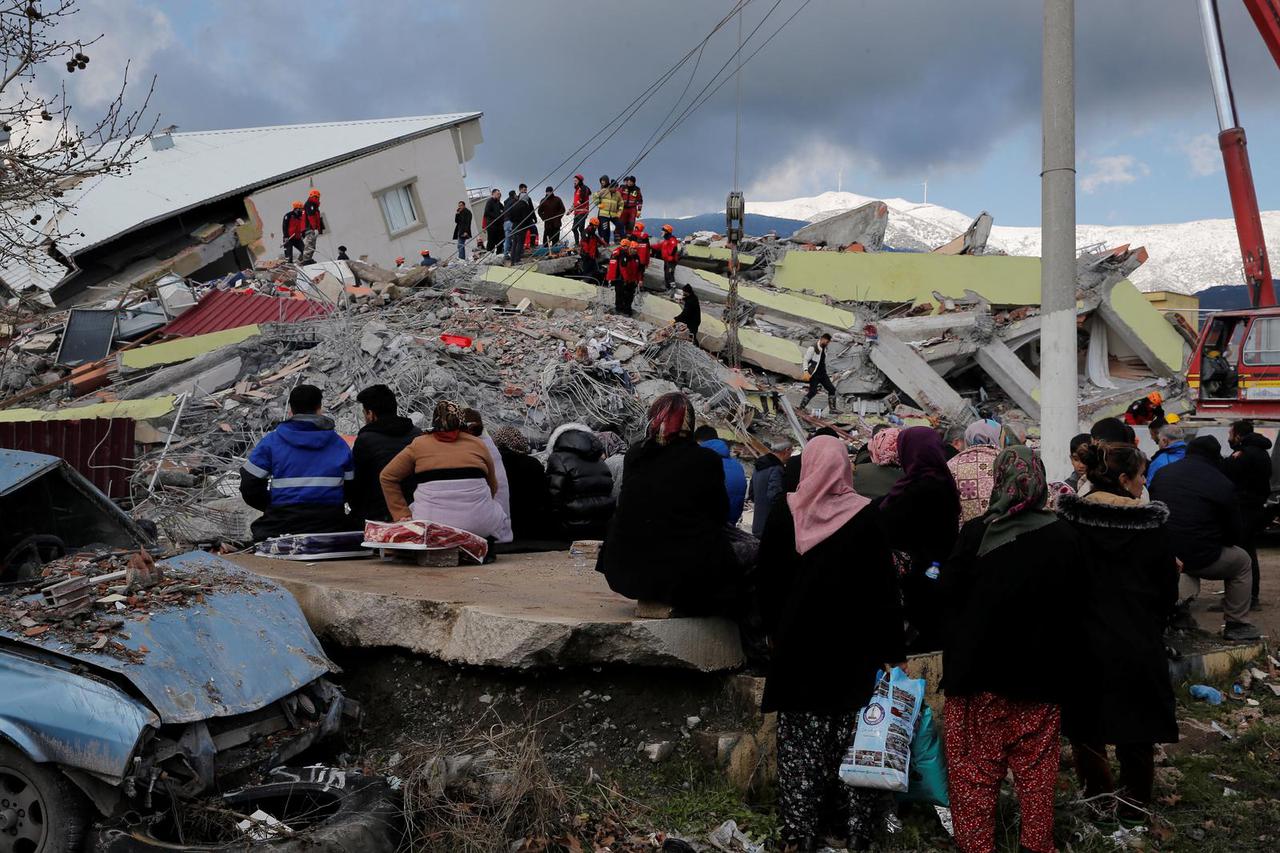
(101, 450)
(231, 309)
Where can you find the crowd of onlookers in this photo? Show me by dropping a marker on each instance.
(1050, 601)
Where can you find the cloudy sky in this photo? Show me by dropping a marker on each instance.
(888, 94)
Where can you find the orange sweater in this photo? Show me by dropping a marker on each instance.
(428, 453)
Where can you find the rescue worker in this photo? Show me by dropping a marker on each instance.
(669, 248)
(299, 474)
(314, 225)
(632, 202)
(399, 262)
(427, 260)
(581, 207)
(551, 209)
(462, 228)
(608, 202)
(589, 252)
(292, 228)
(492, 220)
(643, 247)
(628, 278)
(815, 364)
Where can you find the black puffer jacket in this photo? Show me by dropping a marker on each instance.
(376, 444)
(1249, 469)
(580, 482)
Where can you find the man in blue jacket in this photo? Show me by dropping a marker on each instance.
(1172, 449)
(299, 473)
(735, 476)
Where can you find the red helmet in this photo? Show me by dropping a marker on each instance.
(297, 205)
(314, 194)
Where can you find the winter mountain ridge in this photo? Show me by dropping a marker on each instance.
(1185, 257)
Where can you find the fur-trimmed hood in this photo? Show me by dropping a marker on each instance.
(1120, 514)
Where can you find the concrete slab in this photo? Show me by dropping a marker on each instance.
(184, 349)
(865, 225)
(1014, 378)
(775, 354)
(523, 611)
(545, 291)
(789, 306)
(913, 375)
(1143, 328)
(711, 257)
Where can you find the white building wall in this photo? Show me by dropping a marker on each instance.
(353, 216)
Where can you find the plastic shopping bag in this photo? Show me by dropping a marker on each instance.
(880, 752)
(928, 770)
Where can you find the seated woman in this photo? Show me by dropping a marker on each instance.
(452, 475)
(668, 541)
(532, 520)
(580, 482)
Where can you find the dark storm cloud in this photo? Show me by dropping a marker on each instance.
(900, 86)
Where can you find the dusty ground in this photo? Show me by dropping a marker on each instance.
(1267, 619)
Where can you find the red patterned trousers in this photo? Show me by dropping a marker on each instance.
(986, 736)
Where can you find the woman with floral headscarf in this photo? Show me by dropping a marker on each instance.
(874, 479)
(921, 518)
(971, 468)
(451, 476)
(1007, 661)
(822, 554)
(667, 541)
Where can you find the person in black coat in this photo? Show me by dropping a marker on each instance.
(822, 557)
(533, 522)
(690, 313)
(493, 219)
(1129, 581)
(767, 484)
(1205, 531)
(462, 228)
(667, 542)
(384, 434)
(1011, 603)
(523, 220)
(1249, 469)
(921, 518)
(580, 482)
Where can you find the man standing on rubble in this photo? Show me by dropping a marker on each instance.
(462, 227)
(384, 434)
(815, 368)
(292, 228)
(508, 223)
(314, 226)
(551, 209)
(589, 253)
(608, 201)
(522, 219)
(643, 247)
(632, 202)
(581, 207)
(669, 248)
(492, 221)
(299, 473)
(625, 267)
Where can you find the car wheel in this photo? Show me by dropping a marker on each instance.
(41, 811)
(327, 811)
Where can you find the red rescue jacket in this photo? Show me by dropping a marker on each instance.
(294, 225)
(581, 200)
(632, 271)
(590, 245)
(644, 249)
(670, 248)
(311, 213)
(632, 199)
(614, 272)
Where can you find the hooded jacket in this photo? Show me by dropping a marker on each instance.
(1249, 469)
(766, 487)
(1130, 584)
(581, 199)
(1175, 452)
(377, 444)
(1204, 516)
(580, 482)
(298, 476)
(735, 478)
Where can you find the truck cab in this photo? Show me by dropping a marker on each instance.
(1235, 369)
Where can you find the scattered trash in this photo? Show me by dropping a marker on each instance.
(728, 838)
(1205, 693)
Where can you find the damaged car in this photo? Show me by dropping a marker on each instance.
(134, 692)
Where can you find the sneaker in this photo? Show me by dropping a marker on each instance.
(1240, 632)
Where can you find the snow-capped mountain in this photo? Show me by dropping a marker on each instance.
(1184, 257)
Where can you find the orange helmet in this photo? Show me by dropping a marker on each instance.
(1155, 398)
(668, 229)
(297, 205)
(639, 226)
(595, 220)
(425, 252)
(314, 194)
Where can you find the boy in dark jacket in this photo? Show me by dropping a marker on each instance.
(384, 434)
(580, 482)
(299, 473)
(1205, 531)
(1249, 469)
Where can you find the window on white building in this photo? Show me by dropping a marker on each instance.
(399, 208)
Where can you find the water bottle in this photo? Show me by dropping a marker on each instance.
(1207, 693)
(935, 569)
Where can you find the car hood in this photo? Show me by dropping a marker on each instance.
(246, 646)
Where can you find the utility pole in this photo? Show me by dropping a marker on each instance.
(1059, 396)
(735, 212)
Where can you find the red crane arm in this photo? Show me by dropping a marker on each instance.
(1266, 15)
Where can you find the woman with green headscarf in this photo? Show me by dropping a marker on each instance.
(1007, 662)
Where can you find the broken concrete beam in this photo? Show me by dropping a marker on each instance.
(712, 257)
(201, 372)
(545, 291)
(778, 355)
(864, 225)
(1142, 328)
(930, 326)
(561, 265)
(368, 274)
(787, 306)
(972, 242)
(912, 375)
(183, 349)
(661, 312)
(1014, 378)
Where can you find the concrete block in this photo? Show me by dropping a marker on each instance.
(911, 373)
(865, 225)
(775, 354)
(545, 291)
(1143, 329)
(712, 257)
(972, 242)
(807, 310)
(1014, 378)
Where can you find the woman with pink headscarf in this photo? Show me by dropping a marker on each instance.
(830, 602)
(874, 479)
